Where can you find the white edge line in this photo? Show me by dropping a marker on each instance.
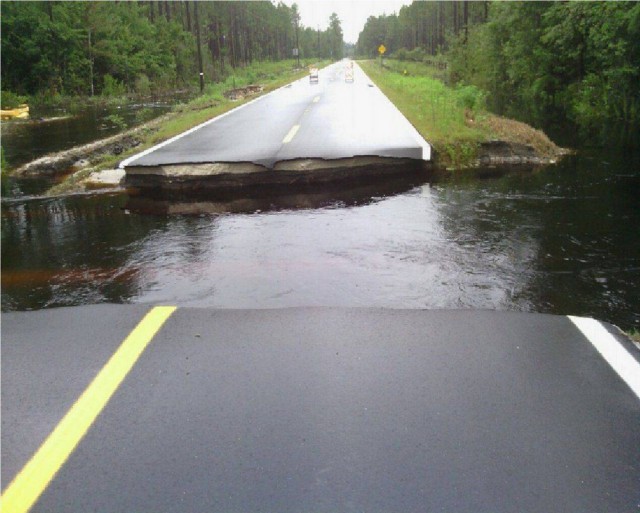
(611, 350)
(128, 161)
(426, 147)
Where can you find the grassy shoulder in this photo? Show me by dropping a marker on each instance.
(214, 102)
(453, 120)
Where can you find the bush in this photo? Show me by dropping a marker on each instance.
(3, 161)
(230, 82)
(10, 100)
(251, 78)
(144, 114)
(115, 120)
(213, 91)
(417, 54)
(470, 97)
(401, 54)
(143, 84)
(113, 87)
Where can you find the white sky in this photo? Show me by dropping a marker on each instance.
(353, 14)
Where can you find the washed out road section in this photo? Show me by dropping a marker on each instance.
(328, 120)
(315, 409)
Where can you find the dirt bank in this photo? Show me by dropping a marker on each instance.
(516, 143)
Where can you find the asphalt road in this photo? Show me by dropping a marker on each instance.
(324, 410)
(330, 119)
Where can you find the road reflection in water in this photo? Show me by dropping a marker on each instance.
(563, 240)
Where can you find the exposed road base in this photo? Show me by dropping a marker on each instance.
(206, 178)
(498, 153)
(259, 198)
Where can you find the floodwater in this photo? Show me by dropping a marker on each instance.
(561, 240)
(51, 130)
(55, 129)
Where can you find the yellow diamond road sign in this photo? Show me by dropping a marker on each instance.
(381, 49)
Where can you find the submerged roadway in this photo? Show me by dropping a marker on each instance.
(318, 410)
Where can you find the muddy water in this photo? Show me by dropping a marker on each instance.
(563, 240)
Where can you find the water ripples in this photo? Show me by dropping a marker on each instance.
(520, 242)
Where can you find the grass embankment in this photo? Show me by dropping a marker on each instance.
(454, 120)
(212, 103)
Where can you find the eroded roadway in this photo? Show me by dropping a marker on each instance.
(317, 410)
(328, 120)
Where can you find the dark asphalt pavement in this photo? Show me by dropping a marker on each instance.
(330, 119)
(327, 410)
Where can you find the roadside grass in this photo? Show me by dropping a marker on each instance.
(212, 103)
(414, 68)
(454, 120)
(447, 118)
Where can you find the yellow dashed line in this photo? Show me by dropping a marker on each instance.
(316, 99)
(34, 478)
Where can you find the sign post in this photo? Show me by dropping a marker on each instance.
(381, 50)
(296, 54)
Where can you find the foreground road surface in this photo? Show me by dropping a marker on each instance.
(330, 119)
(318, 410)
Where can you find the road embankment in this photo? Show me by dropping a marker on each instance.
(462, 133)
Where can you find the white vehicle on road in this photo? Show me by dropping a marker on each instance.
(313, 75)
(348, 72)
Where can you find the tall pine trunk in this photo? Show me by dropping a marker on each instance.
(200, 70)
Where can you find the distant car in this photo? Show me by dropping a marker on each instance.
(348, 71)
(313, 75)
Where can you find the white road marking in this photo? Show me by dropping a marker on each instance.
(292, 133)
(128, 161)
(611, 350)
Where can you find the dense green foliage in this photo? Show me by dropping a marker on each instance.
(541, 62)
(111, 48)
(558, 60)
(9, 100)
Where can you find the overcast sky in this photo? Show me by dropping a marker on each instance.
(353, 14)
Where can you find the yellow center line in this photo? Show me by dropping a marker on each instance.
(316, 99)
(34, 478)
(292, 133)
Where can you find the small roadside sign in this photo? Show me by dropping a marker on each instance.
(381, 49)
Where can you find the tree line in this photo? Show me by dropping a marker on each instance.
(429, 27)
(540, 62)
(87, 48)
(557, 61)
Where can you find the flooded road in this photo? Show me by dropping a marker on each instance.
(563, 240)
